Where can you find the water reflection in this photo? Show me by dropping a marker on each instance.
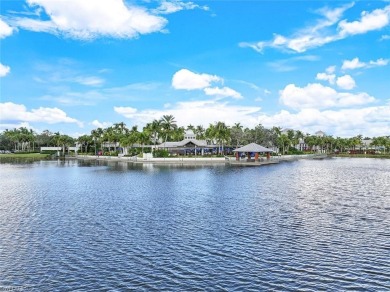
(98, 225)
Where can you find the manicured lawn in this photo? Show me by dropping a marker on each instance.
(363, 155)
(24, 155)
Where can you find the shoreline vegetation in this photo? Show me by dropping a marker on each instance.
(33, 155)
(121, 140)
(193, 160)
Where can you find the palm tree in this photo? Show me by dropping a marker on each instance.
(283, 142)
(153, 129)
(168, 125)
(200, 132)
(120, 127)
(237, 134)
(178, 134)
(298, 137)
(143, 138)
(111, 137)
(210, 134)
(222, 134)
(277, 130)
(311, 141)
(84, 140)
(190, 127)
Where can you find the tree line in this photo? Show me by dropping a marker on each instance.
(166, 130)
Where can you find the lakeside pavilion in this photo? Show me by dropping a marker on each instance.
(189, 144)
(253, 148)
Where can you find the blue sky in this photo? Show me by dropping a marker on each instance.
(72, 66)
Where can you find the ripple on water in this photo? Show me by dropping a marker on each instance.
(305, 225)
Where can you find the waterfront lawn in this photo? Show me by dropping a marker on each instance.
(363, 155)
(24, 155)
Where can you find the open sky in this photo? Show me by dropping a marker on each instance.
(75, 65)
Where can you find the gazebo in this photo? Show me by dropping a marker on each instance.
(253, 148)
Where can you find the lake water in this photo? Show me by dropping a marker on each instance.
(308, 225)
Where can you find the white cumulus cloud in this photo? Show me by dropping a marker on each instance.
(368, 121)
(90, 19)
(5, 29)
(330, 69)
(346, 82)
(369, 21)
(222, 92)
(326, 77)
(197, 113)
(4, 70)
(185, 79)
(98, 124)
(318, 96)
(355, 63)
(18, 112)
(125, 111)
(352, 64)
(328, 29)
(306, 38)
(167, 7)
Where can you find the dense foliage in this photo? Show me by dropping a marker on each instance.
(109, 140)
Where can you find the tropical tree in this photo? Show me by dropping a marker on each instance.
(168, 125)
(154, 130)
(143, 139)
(283, 142)
(237, 134)
(97, 136)
(178, 134)
(85, 140)
(222, 134)
(210, 134)
(200, 132)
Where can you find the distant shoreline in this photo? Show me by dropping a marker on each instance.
(184, 160)
(201, 160)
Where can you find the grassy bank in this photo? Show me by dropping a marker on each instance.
(387, 156)
(25, 155)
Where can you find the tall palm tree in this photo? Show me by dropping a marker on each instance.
(298, 137)
(237, 134)
(84, 140)
(178, 134)
(143, 138)
(153, 129)
(222, 134)
(120, 127)
(200, 132)
(283, 142)
(97, 136)
(210, 134)
(190, 127)
(168, 125)
(277, 130)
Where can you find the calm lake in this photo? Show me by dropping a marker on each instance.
(307, 225)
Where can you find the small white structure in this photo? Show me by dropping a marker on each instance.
(189, 135)
(51, 149)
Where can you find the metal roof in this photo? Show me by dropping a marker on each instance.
(183, 143)
(253, 147)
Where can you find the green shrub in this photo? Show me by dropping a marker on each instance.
(51, 152)
(26, 152)
(294, 151)
(161, 153)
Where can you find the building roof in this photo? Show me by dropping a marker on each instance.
(253, 147)
(183, 143)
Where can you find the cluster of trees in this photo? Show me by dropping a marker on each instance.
(26, 140)
(166, 129)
